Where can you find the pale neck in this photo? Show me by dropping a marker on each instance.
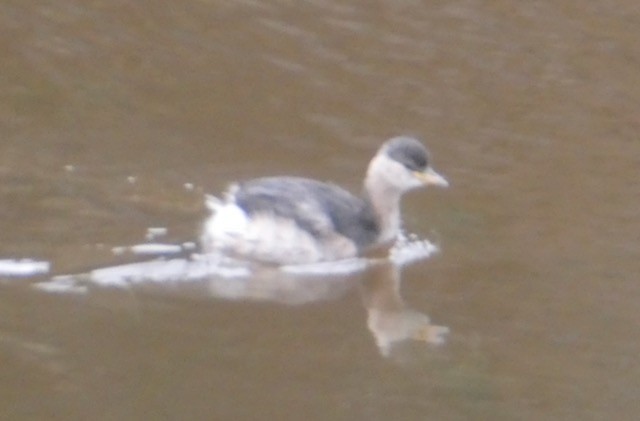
(385, 201)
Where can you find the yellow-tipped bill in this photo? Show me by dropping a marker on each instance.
(431, 178)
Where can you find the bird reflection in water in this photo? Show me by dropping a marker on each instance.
(389, 319)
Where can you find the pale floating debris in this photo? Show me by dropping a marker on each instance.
(189, 186)
(155, 232)
(23, 267)
(155, 248)
(61, 284)
(132, 179)
(189, 245)
(119, 250)
(148, 249)
(69, 168)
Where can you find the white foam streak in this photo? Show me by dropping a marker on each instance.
(62, 285)
(340, 267)
(227, 277)
(409, 249)
(23, 267)
(166, 271)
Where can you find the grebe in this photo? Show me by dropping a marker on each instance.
(292, 220)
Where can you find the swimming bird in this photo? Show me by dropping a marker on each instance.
(292, 220)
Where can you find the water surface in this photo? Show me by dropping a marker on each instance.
(117, 117)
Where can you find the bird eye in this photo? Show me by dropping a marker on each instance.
(415, 163)
(420, 163)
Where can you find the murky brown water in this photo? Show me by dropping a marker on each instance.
(530, 109)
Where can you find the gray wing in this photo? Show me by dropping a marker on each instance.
(319, 208)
